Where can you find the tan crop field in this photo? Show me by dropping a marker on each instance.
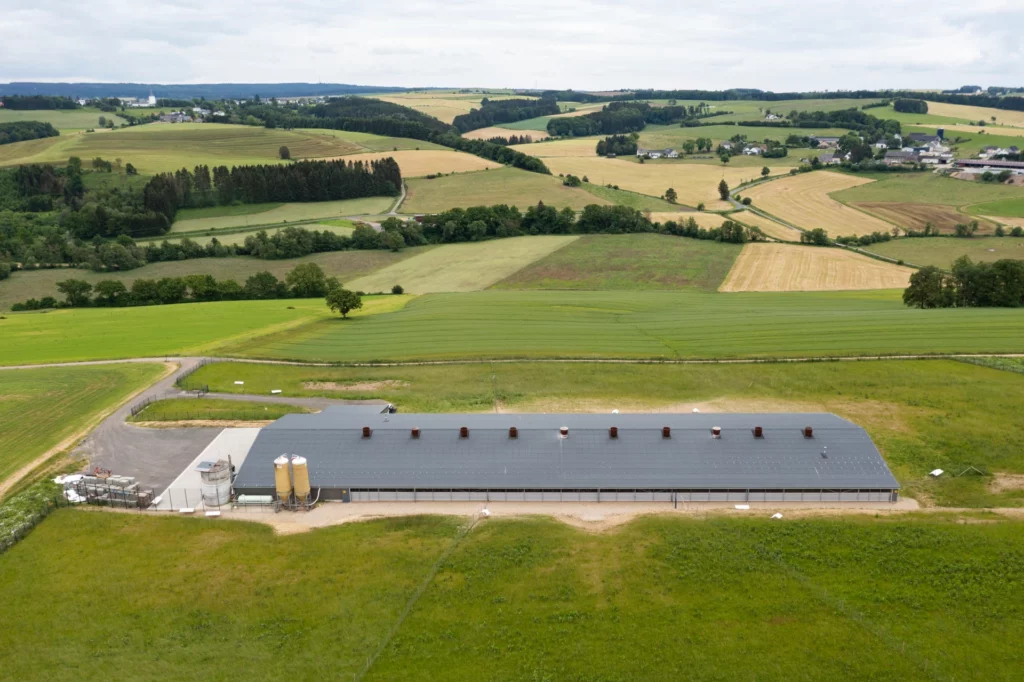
(440, 107)
(769, 227)
(488, 133)
(916, 216)
(804, 201)
(510, 186)
(417, 163)
(1012, 222)
(705, 220)
(575, 146)
(789, 267)
(1004, 117)
(987, 130)
(461, 267)
(694, 183)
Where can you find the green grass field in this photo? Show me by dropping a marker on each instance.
(622, 197)
(926, 188)
(514, 599)
(899, 402)
(160, 148)
(154, 331)
(374, 143)
(1010, 208)
(485, 188)
(61, 119)
(41, 407)
(196, 219)
(942, 251)
(629, 262)
(191, 409)
(656, 324)
(461, 267)
(345, 265)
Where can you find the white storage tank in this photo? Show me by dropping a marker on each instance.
(216, 487)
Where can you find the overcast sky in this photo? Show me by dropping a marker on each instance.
(583, 44)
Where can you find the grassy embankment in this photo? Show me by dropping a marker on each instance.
(484, 188)
(41, 407)
(191, 409)
(922, 414)
(853, 599)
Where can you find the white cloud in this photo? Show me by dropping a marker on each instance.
(584, 44)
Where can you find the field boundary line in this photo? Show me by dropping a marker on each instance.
(460, 535)
(170, 367)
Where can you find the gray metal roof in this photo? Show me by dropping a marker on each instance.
(539, 458)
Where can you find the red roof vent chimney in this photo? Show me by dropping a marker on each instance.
(415, 433)
(463, 432)
(366, 432)
(613, 432)
(716, 431)
(564, 432)
(513, 432)
(808, 432)
(666, 432)
(758, 432)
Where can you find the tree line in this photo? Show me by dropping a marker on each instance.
(910, 106)
(620, 145)
(968, 285)
(626, 117)
(492, 112)
(302, 181)
(307, 280)
(507, 140)
(18, 131)
(28, 102)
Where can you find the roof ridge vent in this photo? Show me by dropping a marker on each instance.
(758, 432)
(613, 431)
(716, 431)
(463, 432)
(513, 432)
(367, 431)
(563, 432)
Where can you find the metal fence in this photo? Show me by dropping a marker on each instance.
(182, 381)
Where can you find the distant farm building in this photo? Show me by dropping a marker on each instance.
(982, 165)
(825, 141)
(657, 153)
(357, 453)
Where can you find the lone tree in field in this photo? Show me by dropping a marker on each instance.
(765, 172)
(671, 196)
(343, 301)
(723, 189)
(284, 152)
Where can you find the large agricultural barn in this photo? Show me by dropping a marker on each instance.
(360, 454)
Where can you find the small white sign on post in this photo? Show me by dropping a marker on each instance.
(239, 383)
(276, 391)
(936, 472)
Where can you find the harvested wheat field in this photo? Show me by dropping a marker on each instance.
(1012, 222)
(1004, 117)
(488, 133)
(576, 146)
(705, 220)
(768, 226)
(1002, 131)
(804, 201)
(788, 267)
(694, 183)
(915, 216)
(416, 163)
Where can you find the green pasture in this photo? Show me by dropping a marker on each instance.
(153, 331)
(972, 142)
(623, 197)
(1009, 208)
(926, 188)
(373, 143)
(41, 407)
(251, 215)
(510, 186)
(61, 119)
(629, 262)
(942, 251)
(663, 597)
(157, 148)
(657, 324)
(901, 403)
(345, 265)
(191, 409)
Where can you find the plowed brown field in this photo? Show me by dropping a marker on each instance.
(804, 201)
(915, 216)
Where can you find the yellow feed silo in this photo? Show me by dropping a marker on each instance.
(300, 472)
(282, 481)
